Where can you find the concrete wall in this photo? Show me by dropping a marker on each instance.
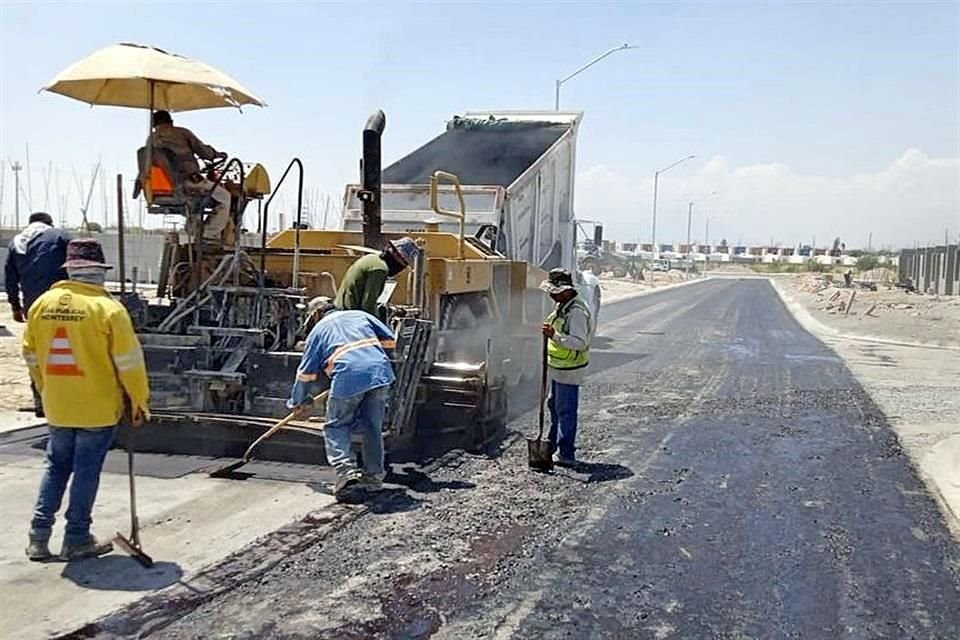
(142, 251)
(935, 269)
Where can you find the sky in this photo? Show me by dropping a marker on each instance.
(809, 120)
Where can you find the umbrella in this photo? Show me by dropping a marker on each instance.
(143, 77)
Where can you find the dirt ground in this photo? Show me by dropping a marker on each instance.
(14, 379)
(614, 289)
(888, 312)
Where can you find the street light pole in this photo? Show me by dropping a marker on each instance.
(686, 266)
(656, 180)
(623, 47)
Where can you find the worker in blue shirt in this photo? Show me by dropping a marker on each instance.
(352, 349)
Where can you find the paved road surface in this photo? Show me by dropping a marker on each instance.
(740, 485)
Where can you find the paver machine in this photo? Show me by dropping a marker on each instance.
(222, 342)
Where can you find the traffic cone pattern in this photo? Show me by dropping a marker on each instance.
(60, 360)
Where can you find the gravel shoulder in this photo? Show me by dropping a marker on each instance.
(894, 314)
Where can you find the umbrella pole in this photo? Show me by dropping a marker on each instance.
(147, 186)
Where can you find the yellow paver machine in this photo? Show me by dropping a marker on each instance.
(222, 339)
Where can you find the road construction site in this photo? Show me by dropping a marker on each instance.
(742, 477)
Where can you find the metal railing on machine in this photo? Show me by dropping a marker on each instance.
(296, 237)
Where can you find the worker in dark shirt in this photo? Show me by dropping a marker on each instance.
(365, 279)
(34, 263)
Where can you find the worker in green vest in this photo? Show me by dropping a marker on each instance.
(568, 330)
(364, 281)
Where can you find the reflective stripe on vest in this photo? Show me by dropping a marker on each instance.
(561, 357)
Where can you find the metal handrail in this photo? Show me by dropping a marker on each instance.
(435, 202)
(263, 224)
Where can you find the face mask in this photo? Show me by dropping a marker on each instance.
(90, 275)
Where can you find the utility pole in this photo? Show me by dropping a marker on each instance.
(29, 193)
(706, 230)
(17, 168)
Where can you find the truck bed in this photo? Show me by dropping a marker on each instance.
(490, 154)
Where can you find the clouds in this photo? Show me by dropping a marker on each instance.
(912, 199)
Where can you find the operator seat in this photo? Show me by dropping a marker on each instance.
(169, 194)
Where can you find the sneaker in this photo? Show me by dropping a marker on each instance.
(370, 482)
(561, 461)
(92, 548)
(345, 481)
(39, 550)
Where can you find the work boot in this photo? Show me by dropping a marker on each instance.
(344, 482)
(92, 548)
(561, 461)
(39, 550)
(370, 482)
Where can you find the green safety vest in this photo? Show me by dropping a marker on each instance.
(561, 357)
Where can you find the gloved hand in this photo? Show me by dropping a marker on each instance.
(303, 409)
(18, 315)
(220, 155)
(548, 330)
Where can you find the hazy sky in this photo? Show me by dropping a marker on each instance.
(808, 119)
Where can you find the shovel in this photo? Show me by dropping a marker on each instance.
(132, 544)
(539, 456)
(226, 470)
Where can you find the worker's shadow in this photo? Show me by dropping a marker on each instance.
(591, 472)
(118, 572)
(418, 481)
(383, 501)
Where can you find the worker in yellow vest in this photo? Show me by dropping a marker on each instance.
(568, 330)
(87, 364)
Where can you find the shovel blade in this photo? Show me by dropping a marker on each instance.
(539, 456)
(226, 471)
(134, 551)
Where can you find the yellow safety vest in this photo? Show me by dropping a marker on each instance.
(561, 357)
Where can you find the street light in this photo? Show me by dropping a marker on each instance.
(689, 220)
(622, 47)
(656, 180)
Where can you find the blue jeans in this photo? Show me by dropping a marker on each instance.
(363, 414)
(77, 452)
(563, 404)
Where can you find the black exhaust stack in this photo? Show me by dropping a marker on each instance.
(370, 180)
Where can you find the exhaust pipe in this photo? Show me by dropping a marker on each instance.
(370, 180)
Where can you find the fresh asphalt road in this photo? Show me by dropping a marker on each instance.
(738, 483)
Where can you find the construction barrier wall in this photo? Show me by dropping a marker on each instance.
(142, 251)
(932, 269)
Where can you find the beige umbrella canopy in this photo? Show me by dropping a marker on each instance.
(143, 77)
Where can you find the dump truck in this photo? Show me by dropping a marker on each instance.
(517, 173)
(222, 346)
